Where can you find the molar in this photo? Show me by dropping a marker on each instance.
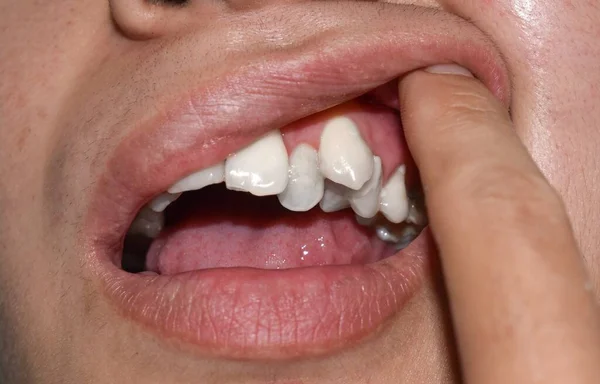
(344, 156)
(261, 168)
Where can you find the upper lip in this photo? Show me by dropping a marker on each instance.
(216, 118)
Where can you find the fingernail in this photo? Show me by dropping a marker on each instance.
(449, 69)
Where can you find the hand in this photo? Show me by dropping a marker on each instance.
(521, 303)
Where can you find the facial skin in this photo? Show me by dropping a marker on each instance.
(67, 65)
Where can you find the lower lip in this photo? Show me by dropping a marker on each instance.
(244, 313)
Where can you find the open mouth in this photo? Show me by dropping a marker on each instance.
(286, 221)
(330, 189)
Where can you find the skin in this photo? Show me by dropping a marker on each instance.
(538, 322)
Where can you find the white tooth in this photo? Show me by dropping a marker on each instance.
(148, 223)
(393, 202)
(162, 201)
(334, 197)
(365, 201)
(306, 184)
(344, 156)
(261, 168)
(198, 180)
(384, 234)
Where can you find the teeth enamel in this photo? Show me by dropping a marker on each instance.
(366, 222)
(344, 156)
(200, 179)
(365, 201)
(334, 197)
(306, 184)
(400, 237)
(393, 200)
(162, 201)
(148, 223)
(261, 168)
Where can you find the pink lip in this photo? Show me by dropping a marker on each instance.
(245, 313)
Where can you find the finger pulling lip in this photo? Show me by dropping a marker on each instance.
(246, 313)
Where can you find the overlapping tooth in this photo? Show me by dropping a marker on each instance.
(393, 202)
(334, 197)
(198, 180)
(261, 168)
(365, 201)
(305, 186)
(147, 223)
(162, 201)
(344, 157)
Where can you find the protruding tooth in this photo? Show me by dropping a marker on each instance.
(344, 156)
(306, 184)
(393, 200)
(334, 197)
(148, 223)
(162, 201)
(365, 201)
(200, 179)
(261, 168)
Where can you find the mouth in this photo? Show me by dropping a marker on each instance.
(276, 212)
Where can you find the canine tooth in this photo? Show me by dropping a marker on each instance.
(162, 201)
(261, 168)
(344, 156)
(365, 201)
(306, 184)
(334, 197)
(198, 180)
(148, 223)
(393, 200)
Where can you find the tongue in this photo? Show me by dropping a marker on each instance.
(217, 228)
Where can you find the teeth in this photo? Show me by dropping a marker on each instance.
(400, 237)
(393, 200)
(384, 234)
(365, 201)
(261, 168)
(200, 179)
(416, 213)
(344, 156)
(334, 197)
(365, 222)
(148, 223)
(161, 202)
(306, 184)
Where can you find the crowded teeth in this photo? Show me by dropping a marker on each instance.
(162, 201)
(344, 156)
(393, 200)
(200, 179)
(261, 168)
(334, 197)
(306, 184)
(365, 201)
(148, 223)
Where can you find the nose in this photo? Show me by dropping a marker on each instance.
(147, 19)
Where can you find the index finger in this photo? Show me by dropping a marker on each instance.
(515, 279)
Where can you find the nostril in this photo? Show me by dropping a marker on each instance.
(148, 19)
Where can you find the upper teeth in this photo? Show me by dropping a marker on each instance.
(344, 173)
(261, 168)
(344, 156)
(305, 184)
